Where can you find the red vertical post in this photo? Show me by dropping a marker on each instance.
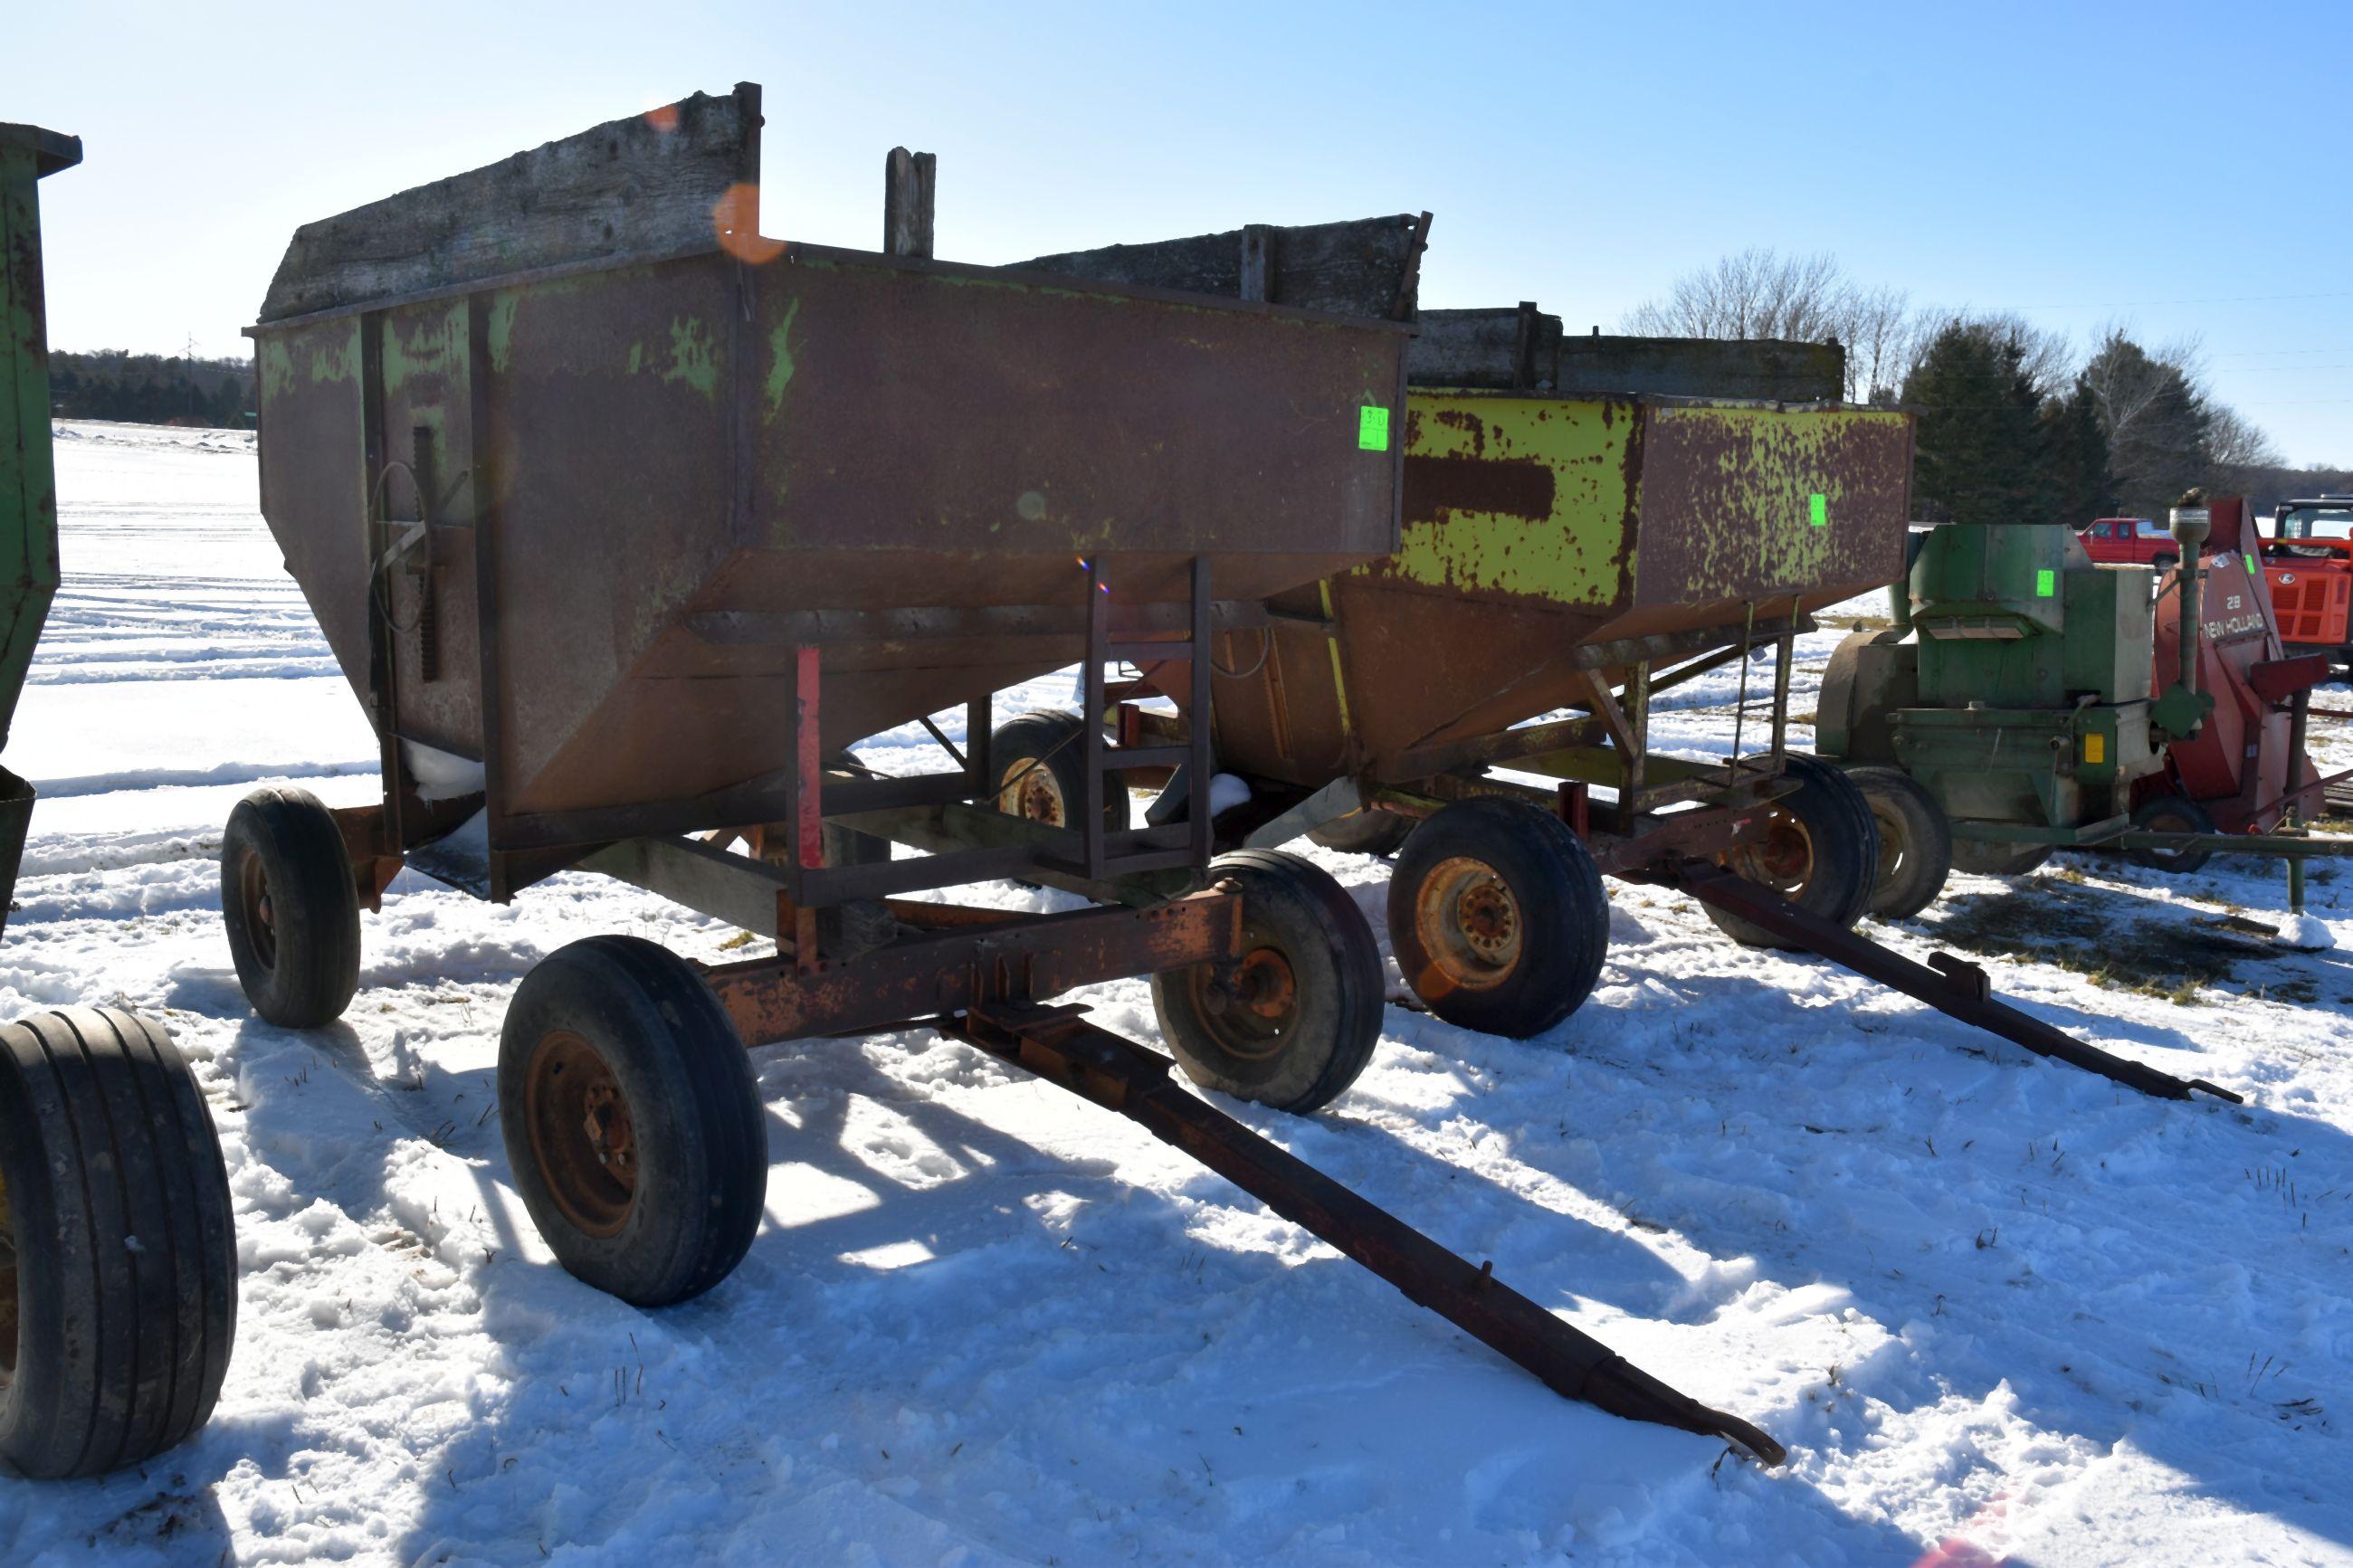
(808, 810)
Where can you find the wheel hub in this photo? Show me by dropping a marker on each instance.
(1028, 789)
(260, 913)
(1250, 1003)
(1469, 923)
(1891, 843)
(583, 1135)
(1783, 859)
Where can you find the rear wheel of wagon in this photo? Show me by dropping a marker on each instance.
(1915, 842)
(1820, 851)
(1038, 762)
(632, 1120)
(2171, 814)
(118, 1252)
(291, 907)
(1293, 1021)
(1497, 917)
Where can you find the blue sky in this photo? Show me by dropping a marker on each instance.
(2185, 170)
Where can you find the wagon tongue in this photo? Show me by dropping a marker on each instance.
(1059, 1046)
(1951, 985)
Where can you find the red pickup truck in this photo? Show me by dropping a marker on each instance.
(2134, 540)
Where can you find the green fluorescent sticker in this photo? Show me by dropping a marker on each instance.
(2251, 562)
(1373, 428)
(2046, 584)
(1820, 513)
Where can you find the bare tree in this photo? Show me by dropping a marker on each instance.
(2235, 441)
(1877, 334)
(1755, 293)
(1761, 293)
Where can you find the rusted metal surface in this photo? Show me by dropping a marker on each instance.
(2240, 764)
(1121, 1075)
(1949, 984)
(561, 522)
(1546, 536)
(918, 977)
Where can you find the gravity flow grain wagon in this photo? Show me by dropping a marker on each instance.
(623, 520)
(1568, 548)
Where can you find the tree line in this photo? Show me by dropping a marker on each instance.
(2013, 427)
(152, 389)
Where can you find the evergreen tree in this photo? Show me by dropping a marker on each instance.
(2074, 452)
(1978, 452)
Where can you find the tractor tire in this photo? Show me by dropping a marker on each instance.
(1824, 856)
(1381, 833)
(1039, 763)
(1293, 1022)
(631, 1121)
(1915, 842)
(1498, 919)
(118, 1249)
(2171, 814)
(292, 908)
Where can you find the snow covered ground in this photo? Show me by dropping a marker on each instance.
(1999, 1310)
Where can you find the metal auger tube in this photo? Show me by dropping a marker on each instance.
(1120, 1075)
(2190, 527)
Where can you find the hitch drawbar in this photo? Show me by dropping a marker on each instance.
(1119, 1075)
(1951, 985)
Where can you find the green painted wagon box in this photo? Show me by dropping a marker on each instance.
(1538, 527)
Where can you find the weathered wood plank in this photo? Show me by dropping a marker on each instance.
(1368, 267)
(645, 184)
(1765, 368)
(1504, 347)
(909, 181)
(1521, 348)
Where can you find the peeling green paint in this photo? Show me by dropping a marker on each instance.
(780, 360)
(1571, 553)
(501, 326)
(691, 357)
(337, 362)
(1550, 498)
(435, 346)
(276, 361)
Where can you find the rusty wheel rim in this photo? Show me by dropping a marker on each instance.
(1248, 1006)
(1468, 921)
(260, 914)
(8, 1287)
(582, 1136)
(1028, 789)
(1783, 860)
(1892, 848)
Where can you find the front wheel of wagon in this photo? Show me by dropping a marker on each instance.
(1820, 851)
(1497, 917)
(118, 1249)
(1294, 1019)
(632, 1120)
(292, 908)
